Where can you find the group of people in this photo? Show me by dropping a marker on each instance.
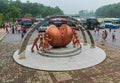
(105, 34)
(44, 45)
(15, 28)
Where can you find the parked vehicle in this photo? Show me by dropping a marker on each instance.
(26, 22)
(92, 23)
(102, 25)
(43, 27)
(109, 22)
(116, 23)
(57, 22)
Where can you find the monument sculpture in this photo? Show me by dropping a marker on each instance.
(59, 36)
(61, 47)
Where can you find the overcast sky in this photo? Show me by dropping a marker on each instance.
(73, 6)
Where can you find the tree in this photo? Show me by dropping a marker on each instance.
(13, 12)
(111, 10)
(3, 6)
(1, 20)
(28, 15)
(17, 9)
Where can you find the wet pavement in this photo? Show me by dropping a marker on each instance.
(16, 37)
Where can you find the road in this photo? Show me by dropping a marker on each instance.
(17, 37)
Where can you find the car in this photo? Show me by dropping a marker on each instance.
(57, 22)
(102, 25)
(72, 25)
(43, 27)
(92, 23)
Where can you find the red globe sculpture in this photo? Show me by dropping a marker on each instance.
(61, 36)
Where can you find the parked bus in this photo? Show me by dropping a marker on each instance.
(26, 22)
(109, 22)
(116, 23)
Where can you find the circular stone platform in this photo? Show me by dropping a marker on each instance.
(86, 58)
(61, 52)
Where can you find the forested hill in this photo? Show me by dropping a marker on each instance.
(16, 9)
(112, 10)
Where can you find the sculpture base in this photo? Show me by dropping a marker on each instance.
(61, 52)
(87, 58)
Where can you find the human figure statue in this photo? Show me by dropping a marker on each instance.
(76, 40)
(46, 42)
(41, 40)
(35, 43)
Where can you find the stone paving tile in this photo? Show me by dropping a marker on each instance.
(106, 72)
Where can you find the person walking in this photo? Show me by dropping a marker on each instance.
(103, 38)
(114, 36)
(19, 28)
(6, 27)
(23, 31)
(95, 30)
(110, 29)
(106, 34)
(13, 29)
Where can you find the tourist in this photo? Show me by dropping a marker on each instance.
(106, 34)
(95, 30)
(13, 29)
(114, 35)
(103, 37)
(19, 28)
(110, 29)
(6, 28)
(23, 31)
(16, 28)
(98, 30)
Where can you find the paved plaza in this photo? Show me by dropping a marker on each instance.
(106, 72)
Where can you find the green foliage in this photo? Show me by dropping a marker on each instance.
(1, 20)
(17, 9)
(111, 10)
(28, 15)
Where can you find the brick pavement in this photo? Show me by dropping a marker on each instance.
(106, 72)
(3, 33)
